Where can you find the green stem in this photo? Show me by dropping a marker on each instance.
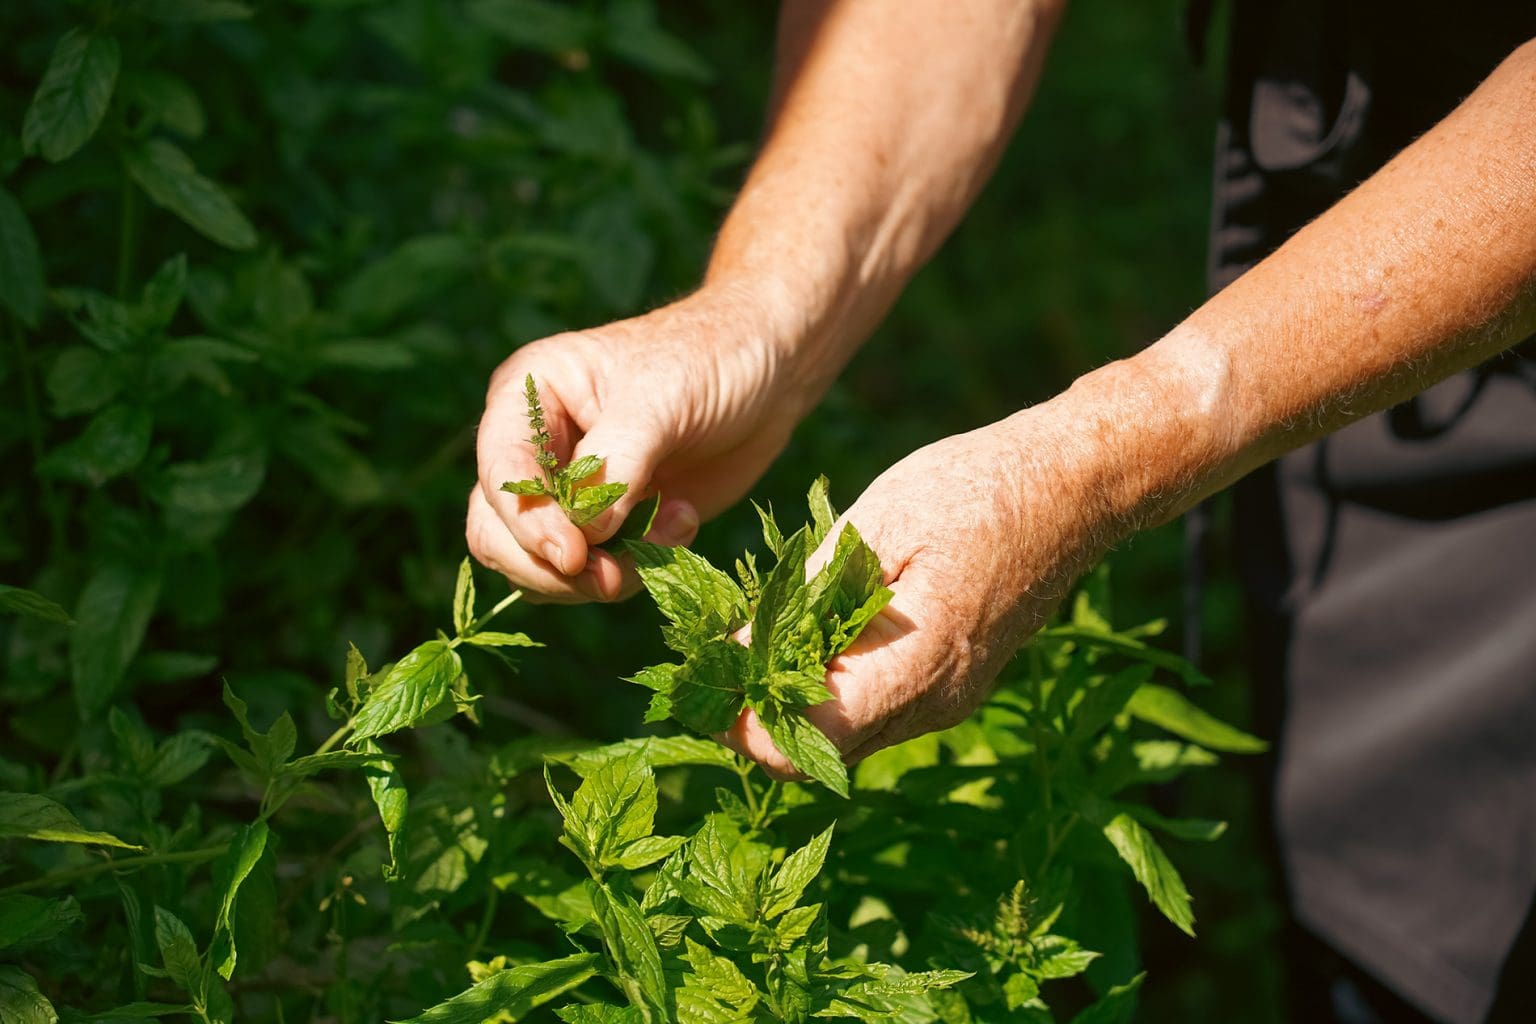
(337, 736)
(501, 606)
(57, 878)
(484, 931)
(744, 770)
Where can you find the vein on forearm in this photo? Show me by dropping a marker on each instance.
(886, 119)
(1429, 267)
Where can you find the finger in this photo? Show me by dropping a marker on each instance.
(749, 739)
(676, 525)
(493, 545)
(537, 524)
(632, 442)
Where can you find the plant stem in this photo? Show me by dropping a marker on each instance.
(337, 736)
(744, 770)
(57, 878)
(501, 606)
(484, 931)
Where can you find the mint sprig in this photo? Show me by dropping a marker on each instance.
(581, 503)
(798, 625)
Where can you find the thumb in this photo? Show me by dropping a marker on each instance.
(632, 444)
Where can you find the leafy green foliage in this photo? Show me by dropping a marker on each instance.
(797, 624)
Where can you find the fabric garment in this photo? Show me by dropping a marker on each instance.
(1393, 564)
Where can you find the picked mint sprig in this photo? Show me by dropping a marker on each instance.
(580, 503)
(798, 625)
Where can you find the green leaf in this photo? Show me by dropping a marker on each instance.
(415, 271)
(718, 984)
(177, 758)
(73, 96)
(591, 502)
(21, 1002)
(230, 872)
(112, 615)
(1152, 869)
(417, 684)
(577, 471)
(1117, 1006)
(491, 638)
(29, 920)
(806, 747)
(270, 749)
(632, 948)
(212, 487)
(780, 619)
(510, 994)
(648, 850)
(658, 752)
(527, 488)
(701, 602)
(178, 952)
(717, 882)
(1169, 709)
(144, 1010)
(393, 802)
(823, 515)
(464, 598)
(114, 442)
(81, 380)
(535, 24)
(613, 807)
(799, 870)
(1102, 703)
(171, 102)
(170, 179)
(707, 691)
(1196, 830)
(32, 605)
(21, 263)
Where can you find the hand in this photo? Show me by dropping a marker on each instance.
(693, 400)
(980, 535)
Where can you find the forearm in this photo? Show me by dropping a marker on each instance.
(886, 120)
(1427, 268)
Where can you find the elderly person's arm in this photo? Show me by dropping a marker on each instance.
(1429, 267)
(887, 116)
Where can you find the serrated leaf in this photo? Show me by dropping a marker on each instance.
(781, 618)
(510, 994)
(21, 1002)
(463, 598)
(171, 180)
(178, 951)
(648, 850)
(73, 95)
(658, 752)
(112, 614)
(417, 684)
(590, 502)
(632, 949)
(32, 605)
(1152, 869)
(527, 488)
(716, 882)
(613, 807)
(29, 920)
(177, 758)
(1197, 830)
(1171, 710)
(707, 690)
(773, 537)
(799, 870)
(719, 980)
(701, 602)
(577, 471)
(393, 802)
(144, 1010)
(806, 747)
(230, 872)
(21, 263)
(823, 515)
(599, 1013)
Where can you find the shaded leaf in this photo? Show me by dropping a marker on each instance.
(170, 179)
(73, 95)
(112, 615)
(21, 263)
(32, 605)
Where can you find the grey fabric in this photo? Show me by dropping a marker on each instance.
(1394, 563)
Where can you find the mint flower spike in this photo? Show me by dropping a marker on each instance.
(581, 503)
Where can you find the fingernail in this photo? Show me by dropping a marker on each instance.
(680, 526)
(554, 555)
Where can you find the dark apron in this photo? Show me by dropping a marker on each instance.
(1393, 564)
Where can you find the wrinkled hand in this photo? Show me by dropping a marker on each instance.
(980, 536)
(692, 400)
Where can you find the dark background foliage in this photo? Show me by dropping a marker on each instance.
(234, 474)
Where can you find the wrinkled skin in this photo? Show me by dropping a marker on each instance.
(667, 399)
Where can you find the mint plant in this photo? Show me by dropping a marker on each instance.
(798, 624)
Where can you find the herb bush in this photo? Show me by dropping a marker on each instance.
(255, 264)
